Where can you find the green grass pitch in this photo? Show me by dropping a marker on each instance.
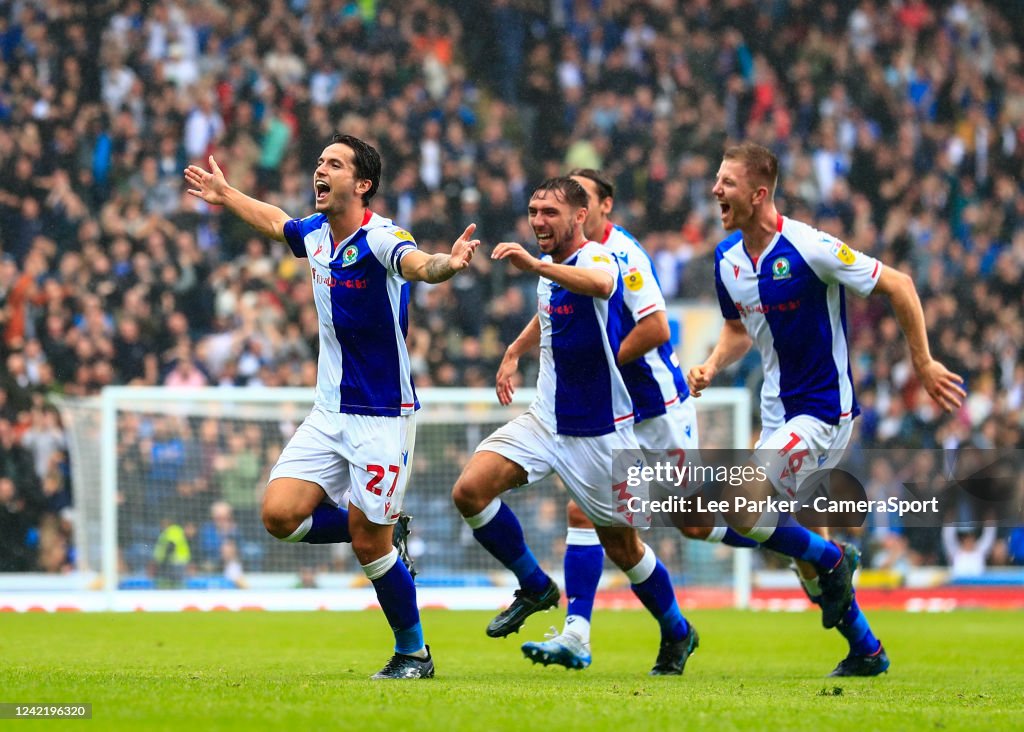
(308, 671)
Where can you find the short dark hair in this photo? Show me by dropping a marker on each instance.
(366, 159)
(605, 187)
(760, 161)
(566, 189)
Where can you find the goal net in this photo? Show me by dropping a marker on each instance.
(167, 487)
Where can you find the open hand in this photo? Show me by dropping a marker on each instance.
(942, 385)
(517, 255)
(463, 249)
(209, 186)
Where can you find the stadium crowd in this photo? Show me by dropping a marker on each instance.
(899, 123)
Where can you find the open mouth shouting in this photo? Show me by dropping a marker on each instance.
(725, 212)
(322, 189)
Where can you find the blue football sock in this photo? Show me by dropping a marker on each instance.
(733, 538)
(503, 537)
(583, 565)
(397, 597)
(854, 627)
(659, 598)
(793, 540)
(330, 526)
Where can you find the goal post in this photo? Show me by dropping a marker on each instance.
(161, 475)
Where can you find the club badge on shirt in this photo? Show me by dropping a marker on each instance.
(780, 269)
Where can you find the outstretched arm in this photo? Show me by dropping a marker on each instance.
(418, 266)
(212, 187)
(941, 384)
(587, 281)
(733, 342)
(527, 341)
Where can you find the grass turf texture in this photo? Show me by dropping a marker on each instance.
(253, 671)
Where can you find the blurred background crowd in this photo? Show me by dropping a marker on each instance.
(899, 125)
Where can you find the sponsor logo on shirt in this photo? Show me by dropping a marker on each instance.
(559, 309)
(330, 281)
(321, 279)
(600, 258)
(350, 255)
(843, 253)
(780, 269)
(321, 247)
(779, 307)
(402, 234)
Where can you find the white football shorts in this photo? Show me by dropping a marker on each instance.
(371, 457)
(797, 455)
(592, 468)
(671, 439)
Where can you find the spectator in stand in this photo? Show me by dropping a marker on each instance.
(966, 552)
(214, 533)
(237, 472)
(15, 522)
(1015, 546)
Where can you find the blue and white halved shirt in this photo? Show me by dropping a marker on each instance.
(792, 302)
(362, 306)
(580, 390)
(655, 380)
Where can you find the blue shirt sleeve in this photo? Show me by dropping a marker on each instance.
(293, 235)
(729, 311)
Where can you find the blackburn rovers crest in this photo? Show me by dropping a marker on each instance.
(350, 255)
(780, 269)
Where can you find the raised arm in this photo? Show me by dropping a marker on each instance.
(941, 384)
(949, 542)
(987, 540)
(418, 266)
(212, 187)
(527, 341)
(587, 281)
(733, 343)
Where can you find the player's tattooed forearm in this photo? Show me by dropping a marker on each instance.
(439, 268)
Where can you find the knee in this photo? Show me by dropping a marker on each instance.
(278, 520)
(699, 533)
(366, 549)
(468, 496)
(741, 524)
(625, 551)
(576, 518)
(371, 542)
